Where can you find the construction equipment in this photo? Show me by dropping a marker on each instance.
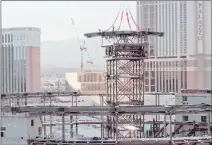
(89, 63)
(82, 47)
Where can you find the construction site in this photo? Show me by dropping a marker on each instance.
(122, 110)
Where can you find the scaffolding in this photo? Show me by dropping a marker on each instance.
(125, 77)
(18, 103)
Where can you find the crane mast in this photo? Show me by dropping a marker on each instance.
(82, 47)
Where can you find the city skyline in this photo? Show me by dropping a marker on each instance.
(183, 56)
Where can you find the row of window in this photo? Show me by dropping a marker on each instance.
(203, 118)
(90, 77)
(93, 87)
(170, 85)
(7, 38)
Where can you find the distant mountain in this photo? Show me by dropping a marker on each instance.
(65, 55)
(55, 70)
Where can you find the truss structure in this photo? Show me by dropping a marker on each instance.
(113, 111)
(125, 77)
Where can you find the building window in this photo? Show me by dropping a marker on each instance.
(185, 98)
(39, 130)
(11, 37)
(2, 38)
(2, 134)
(203, 118)
(32, 122)
(185, 118)
(146, 88)
(152, 88)
(153, 81)
(5, 38)
(8, 38)
(152, 72)
(146, 82)
(146, 74)
(3, 128)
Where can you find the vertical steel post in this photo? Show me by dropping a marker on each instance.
(209, 123)
(1, 68)
(50, 119)
(170, 123)
(164, 124)
(63, 127)
(71, 119)
(44, 116)
(76, 118)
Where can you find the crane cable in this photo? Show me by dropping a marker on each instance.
(128, 20)
(89, 59)
(113, 22)
(122, 14)
(137, 26)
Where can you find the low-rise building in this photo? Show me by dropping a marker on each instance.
(192, 97)
(17, 129)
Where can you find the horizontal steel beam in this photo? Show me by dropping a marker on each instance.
(200, 124)
(60, 94)
(125, 44)
(123, 33)
(107, 110)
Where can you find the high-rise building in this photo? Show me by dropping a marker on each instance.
(21, 59)
(182, 58)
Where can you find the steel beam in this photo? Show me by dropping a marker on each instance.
(110, 110)
(61, 94)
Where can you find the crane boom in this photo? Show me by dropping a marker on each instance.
(82, 48)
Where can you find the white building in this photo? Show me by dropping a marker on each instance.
(192, 97)
(17, 129)
(183, 56)
(20, 59)
(87, 82)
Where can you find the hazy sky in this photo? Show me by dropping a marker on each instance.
(54, 18)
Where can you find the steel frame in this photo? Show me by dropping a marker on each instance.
(125, 77)
(75, 110)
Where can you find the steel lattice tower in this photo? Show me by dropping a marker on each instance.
(125, 78)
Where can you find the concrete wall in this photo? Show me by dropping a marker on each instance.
(18, 129)
(193, 99)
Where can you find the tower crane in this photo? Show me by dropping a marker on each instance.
(82, 47)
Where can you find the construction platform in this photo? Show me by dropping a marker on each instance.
(137, 141)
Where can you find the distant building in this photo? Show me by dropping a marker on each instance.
(86, 82)
(182, 58)
(192, 97)
(21, 59)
